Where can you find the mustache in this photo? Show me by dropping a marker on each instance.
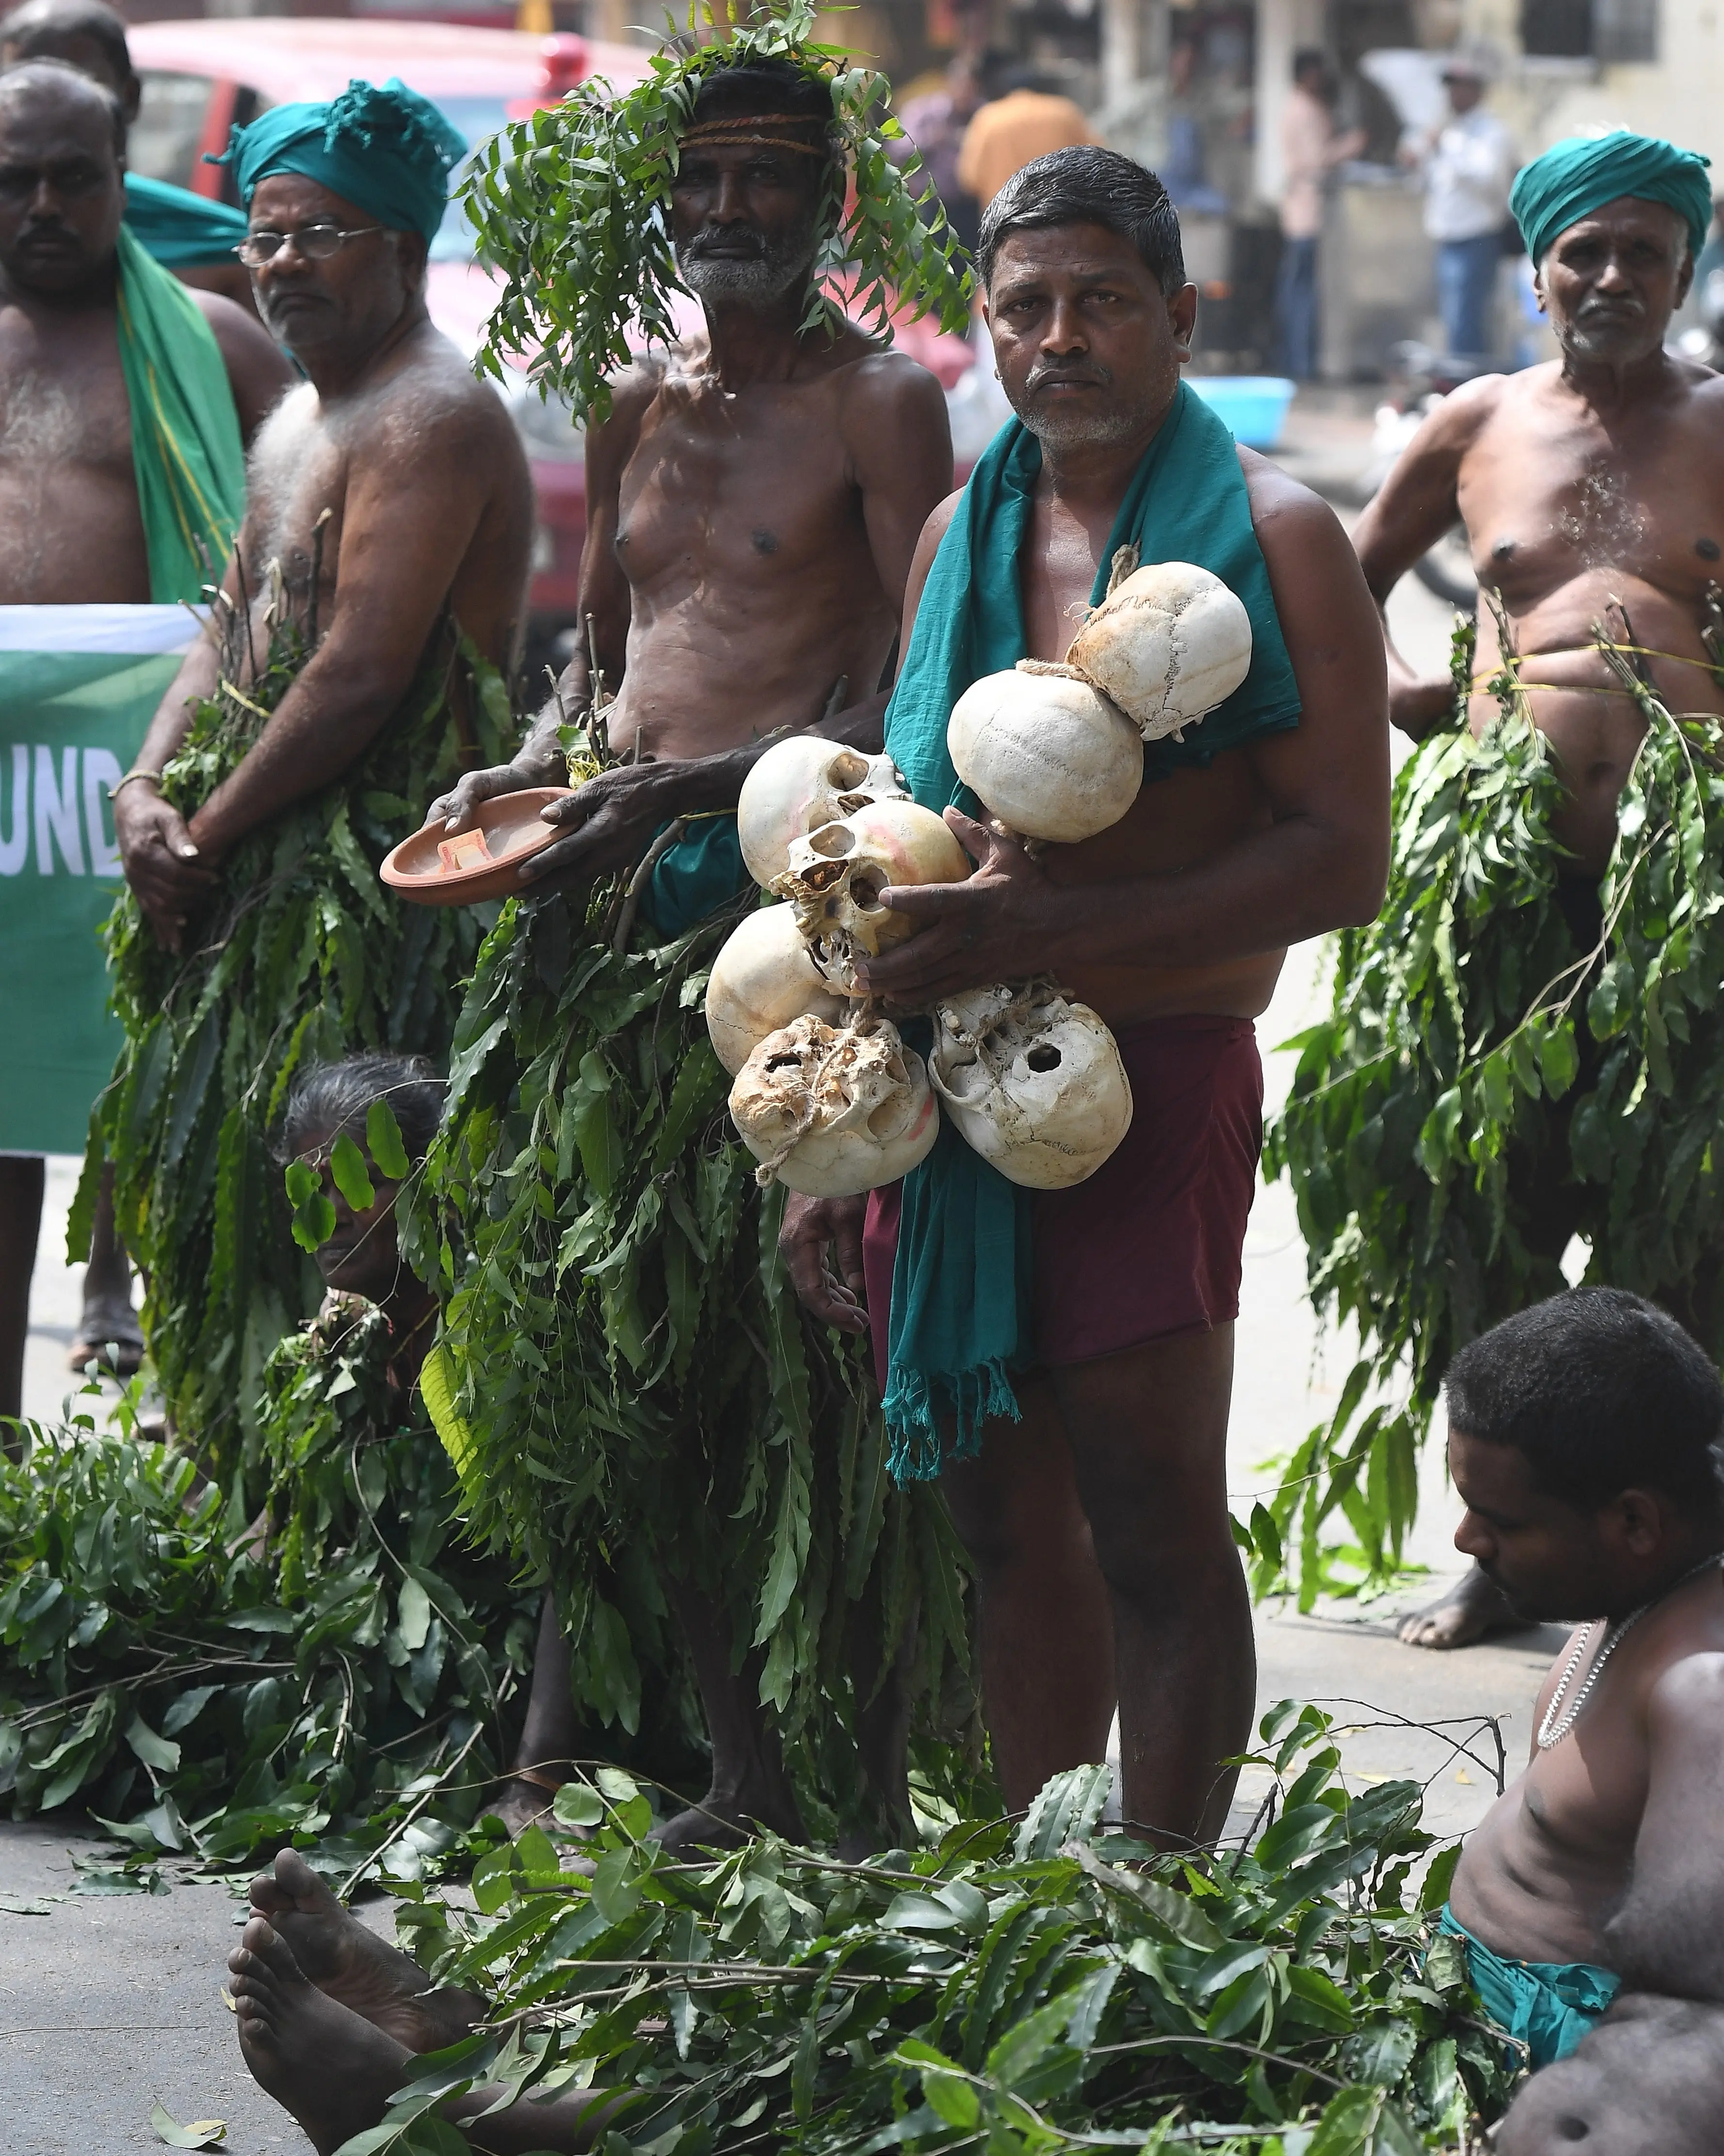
(1098, 376)
(711, 237)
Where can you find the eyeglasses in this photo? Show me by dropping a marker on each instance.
(316, 243)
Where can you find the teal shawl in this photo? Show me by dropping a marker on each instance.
(959, 1321)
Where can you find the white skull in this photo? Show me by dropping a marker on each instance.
(1049, 755)
(761, 978)
(799, 784)
(1032, 1082)
(837, 873)
(832, 1112)
(1168, 644)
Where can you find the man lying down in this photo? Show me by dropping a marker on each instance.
(1583, 1437)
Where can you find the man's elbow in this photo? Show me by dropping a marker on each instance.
(1349, 892)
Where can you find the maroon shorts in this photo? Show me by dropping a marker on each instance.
(1152, 1244)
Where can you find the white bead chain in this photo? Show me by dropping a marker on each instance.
(1551, 1734)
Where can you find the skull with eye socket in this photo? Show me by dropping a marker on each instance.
(831, 1111)
(798, 785)
(837, 873)
(1032, 1082)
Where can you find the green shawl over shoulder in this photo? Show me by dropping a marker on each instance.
(184, 432)
(959, 1286)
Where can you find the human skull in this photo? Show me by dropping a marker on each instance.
(837, 873)
(1032, 1082)
(1047, 753)
(832, 1112)
(1168, 644)
(761, 978)
(799, 784)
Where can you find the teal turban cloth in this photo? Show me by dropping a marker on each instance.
(388, 152)
(1575, 177)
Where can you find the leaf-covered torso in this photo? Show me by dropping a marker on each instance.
(301, 954)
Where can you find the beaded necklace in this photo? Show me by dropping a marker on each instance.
(1552, 1731)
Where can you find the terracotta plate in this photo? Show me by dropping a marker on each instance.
(432, 870)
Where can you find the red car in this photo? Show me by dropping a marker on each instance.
(203, 77)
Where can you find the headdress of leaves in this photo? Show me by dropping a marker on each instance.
(572, 205)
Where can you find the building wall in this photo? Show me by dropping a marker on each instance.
(1680, 95)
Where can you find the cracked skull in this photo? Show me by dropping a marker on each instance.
(761, 978)
(1168, 644)
(834, 1111)
(1032, 1082)
(838, 872)
(799, 784)
(1049, 755)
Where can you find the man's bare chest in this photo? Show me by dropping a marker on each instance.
(299, 470)
(63, 397)
(765, 496)
(1545, 507)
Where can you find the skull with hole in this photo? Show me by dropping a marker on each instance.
(838, 872)
(799, 784)
(1047, 754)
(831, 1111)
(1035, 1083)
(761, 978)
(1168, 644)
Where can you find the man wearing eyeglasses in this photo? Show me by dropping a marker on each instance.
(99, 503)
(376, 587)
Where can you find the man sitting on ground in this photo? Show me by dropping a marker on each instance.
(1584, 1435)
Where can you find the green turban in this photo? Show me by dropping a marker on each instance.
(388, 152)
(1575, 177)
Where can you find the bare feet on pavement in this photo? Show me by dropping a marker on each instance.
(334, 2070)
(1471, 1610)
(727, 1822)
(349, 1963)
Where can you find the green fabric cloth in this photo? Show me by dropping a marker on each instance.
(186, 450)
(179, 229)
(1549, 2005)
(959, 1318)
(1581, 174)
(388, 152)
(696, 876)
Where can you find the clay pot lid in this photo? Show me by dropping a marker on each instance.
(432, 870)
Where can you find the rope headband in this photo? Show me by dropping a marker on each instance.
(706, 134)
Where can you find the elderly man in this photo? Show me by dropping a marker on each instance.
(190, 234)
(1067, 1360)
(376, 587)
(109, 493)
(753, 498)
(1589, 488)
(1583, 1437)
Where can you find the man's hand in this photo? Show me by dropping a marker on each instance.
(1419, 705)
(610, 821)
(458, 810)
(967, 934)
(812, 1226)
(162, 864)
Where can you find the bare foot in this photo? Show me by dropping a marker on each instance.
(330, 2068)
(348, 1962)
(521, 1802)
(1469, 1611)
(110, 1336)
(717, 1823)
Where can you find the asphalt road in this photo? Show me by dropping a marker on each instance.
(106, 2005)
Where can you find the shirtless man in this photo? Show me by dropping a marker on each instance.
(1593, 479)
(343, 474)
(754, 500)
(73, 531)
(1099, 1523)
(1583, 1437)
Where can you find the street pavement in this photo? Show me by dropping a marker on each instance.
(108, 2004)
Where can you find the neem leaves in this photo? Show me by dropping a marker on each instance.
(571, 205)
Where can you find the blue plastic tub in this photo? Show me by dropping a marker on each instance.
(1254, 405)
